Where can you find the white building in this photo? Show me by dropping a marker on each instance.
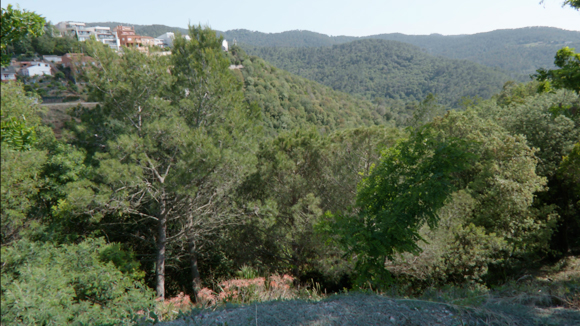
(52, 58)
(225, 45)
(84, 33)
(168, 38)
(70, 28)
(158, 42)
(105, 36)
(36, 69)
(8, 74)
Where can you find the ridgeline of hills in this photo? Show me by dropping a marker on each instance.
(520, 50)
(387, 69)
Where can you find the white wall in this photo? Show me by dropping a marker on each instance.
(37, 70)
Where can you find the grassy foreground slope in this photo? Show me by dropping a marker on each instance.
(387, 69)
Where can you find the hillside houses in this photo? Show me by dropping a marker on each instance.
(116, 38)
(36, 68)
(84, 33)
(120, 36)
(8, 74)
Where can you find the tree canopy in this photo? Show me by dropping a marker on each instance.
(17, 24)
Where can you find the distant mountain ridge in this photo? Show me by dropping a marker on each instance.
(387, 69)
(521, 50)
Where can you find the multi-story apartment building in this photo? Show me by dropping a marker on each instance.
(105, 36)
(83, 33)
(70, 28)
(128, 38)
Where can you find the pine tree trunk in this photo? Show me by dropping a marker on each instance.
(161, 246)
(196, 280)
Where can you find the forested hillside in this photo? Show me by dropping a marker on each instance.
(387, 69)
(521, 50)
(288, 102)
(204, 178)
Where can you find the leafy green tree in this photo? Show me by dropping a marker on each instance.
(403, 191)
(19, 117)
(20, 184)
(21, 161)
(499, 198)
(570, 168)
(550, 123)
(16, 24)
(568, 76)
(300, 175)
(64, 202)
(459, 195)
(44, 284)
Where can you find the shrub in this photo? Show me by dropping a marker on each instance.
(44, 284)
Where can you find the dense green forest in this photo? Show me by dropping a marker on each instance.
(521, 50)
(387, 69)
(288, 102)
(189, 174)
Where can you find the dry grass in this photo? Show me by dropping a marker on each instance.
(548, 297)
(238, 291)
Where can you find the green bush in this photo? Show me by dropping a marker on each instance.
(44, 284)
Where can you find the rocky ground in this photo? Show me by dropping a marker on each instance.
(369, 309)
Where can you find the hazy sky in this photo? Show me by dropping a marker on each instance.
(332, 17)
